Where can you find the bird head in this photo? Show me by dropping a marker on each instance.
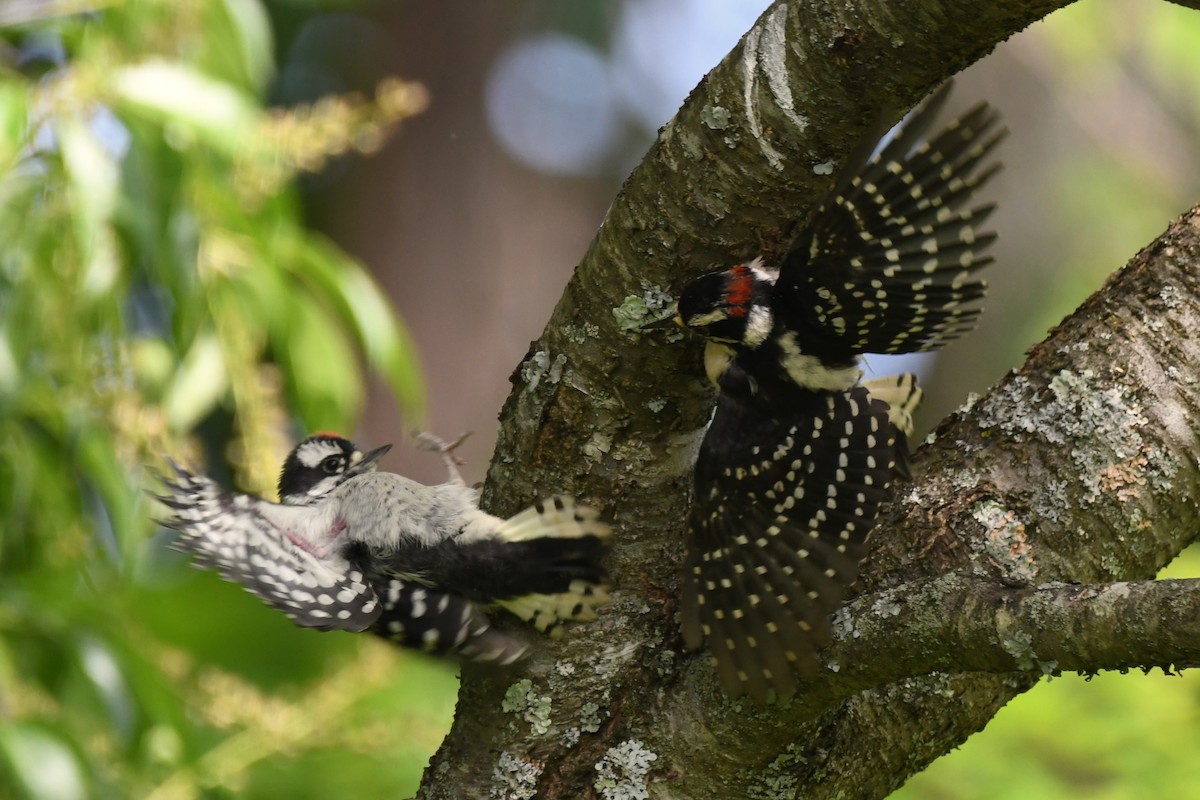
(732, 305)
(320, 464)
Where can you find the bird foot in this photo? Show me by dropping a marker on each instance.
(436, 444)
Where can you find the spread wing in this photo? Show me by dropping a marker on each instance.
(783, 504)
(235, 535)
(889, 263)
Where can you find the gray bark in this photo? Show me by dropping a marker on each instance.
(991, 568)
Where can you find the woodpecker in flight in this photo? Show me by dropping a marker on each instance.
(351, 548)
(799, 452)
(888, 264)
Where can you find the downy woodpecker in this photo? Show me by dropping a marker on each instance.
(350, 548)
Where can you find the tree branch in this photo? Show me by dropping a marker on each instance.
(997, 499)
(964, 623)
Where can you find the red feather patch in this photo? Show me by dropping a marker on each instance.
(739, 288)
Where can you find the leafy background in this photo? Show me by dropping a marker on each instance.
(213, 223)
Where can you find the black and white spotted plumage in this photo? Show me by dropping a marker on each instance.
(799, 453)
(438, 622)
(250, 542)
(355, 549)
(888, 264)
(787, 487)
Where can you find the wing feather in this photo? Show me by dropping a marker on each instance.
(234, 535)
(889, 262)
(776, 532)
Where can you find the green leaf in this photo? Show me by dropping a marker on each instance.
(42, 764)
(91, 170)
(199, 384)
(105, 679)
(151, 360)
(249, 41)
(257, 292)
(365, 309)
(171, 93)
(320, 365)
(95, 184)
(10, 372)
(96, 458)
(154, 217)
(14, 122)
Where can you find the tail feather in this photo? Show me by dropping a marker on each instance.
(902, 395)
(546, 612)
(557, 518)
(571, 539)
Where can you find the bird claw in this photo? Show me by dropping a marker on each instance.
(435, 444)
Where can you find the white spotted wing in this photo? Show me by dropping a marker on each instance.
(783, 504)
(239, 537)
(889, 263)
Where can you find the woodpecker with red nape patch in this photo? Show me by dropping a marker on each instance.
(888, 264)
(351, 548)
(799, 453)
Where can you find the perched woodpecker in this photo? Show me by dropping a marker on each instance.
(799, 453)
(351, 548)
(787, 486)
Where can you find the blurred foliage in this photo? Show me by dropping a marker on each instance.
(1122, 76)
(159, 294)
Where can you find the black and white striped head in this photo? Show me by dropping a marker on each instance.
(731, 305)
(319, 465)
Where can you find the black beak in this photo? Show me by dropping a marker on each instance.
(663, 322)
(366, 462)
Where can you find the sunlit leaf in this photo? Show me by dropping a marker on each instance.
(42, 764)
(13, 122)
(174, 94)
(91, 169)
(152, 363)
(250, 39)
(199, 384)
(10, 373)
(95, 183)
(105, 674)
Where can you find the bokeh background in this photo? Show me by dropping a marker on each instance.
(126, 674)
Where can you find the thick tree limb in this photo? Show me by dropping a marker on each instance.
(962, 623)
(1081, 467)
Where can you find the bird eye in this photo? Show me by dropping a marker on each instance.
(332, 465)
